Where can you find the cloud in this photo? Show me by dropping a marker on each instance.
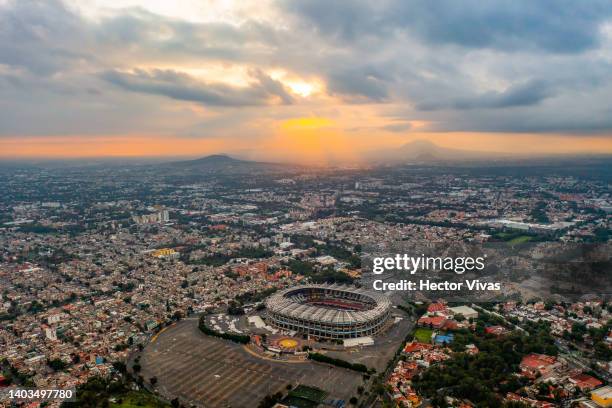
(347, 21)
(41, 37)
(176, 85)
(509, 66)
(555, 26)
(552, 26)
(526, 94)
(398, 127)
(364, 84)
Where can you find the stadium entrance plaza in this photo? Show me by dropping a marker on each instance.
(196, 368)
(385, 345)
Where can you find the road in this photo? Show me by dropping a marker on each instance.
(578, 360)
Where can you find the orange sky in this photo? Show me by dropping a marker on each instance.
(305, 140)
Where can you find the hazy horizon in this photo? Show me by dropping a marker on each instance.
(367, 159)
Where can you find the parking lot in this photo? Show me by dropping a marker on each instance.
(385, 345)
(210, 372)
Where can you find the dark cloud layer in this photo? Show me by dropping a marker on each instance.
(41, 37)
(500, 65)
(180, 86)
(527, 94)
(359, 84)
(556, 26)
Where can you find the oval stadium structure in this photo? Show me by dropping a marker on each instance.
(328, 311)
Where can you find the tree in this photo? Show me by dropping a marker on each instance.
(57, 364)
(490, 373)
(603, 351)
(235, 309)
(120, 367)
(270, 400)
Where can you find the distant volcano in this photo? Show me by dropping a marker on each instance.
(424, 151)
(222, 163)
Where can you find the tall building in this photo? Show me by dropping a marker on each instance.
(164, 216)
(160, 216)
(50, 333)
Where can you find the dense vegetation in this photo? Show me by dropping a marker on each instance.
(481, 378)
(326, 275)
(597, 336)
(539, 213)
(341, 253)
(96, 392)
(338, 362)
(14, 376)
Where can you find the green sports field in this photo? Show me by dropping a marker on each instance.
(423, 335)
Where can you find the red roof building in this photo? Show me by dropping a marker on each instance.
(450, 325)
(436, 322)
(585, 381)
(415, 346)
(531, 402)
(255, 269)
(495, 330)
(533, 364)
(436, 307)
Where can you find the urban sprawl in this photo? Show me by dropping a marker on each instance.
(98, 263)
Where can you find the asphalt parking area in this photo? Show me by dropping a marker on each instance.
(210, 372)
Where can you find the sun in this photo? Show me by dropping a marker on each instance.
(304, 89)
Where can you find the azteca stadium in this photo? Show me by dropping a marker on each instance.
(328, 311)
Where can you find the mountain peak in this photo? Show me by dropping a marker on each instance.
(223, 164)
(421, 142)
(421, 146)
(221, 157)
(424, 151)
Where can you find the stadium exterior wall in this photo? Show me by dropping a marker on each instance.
(286, 311)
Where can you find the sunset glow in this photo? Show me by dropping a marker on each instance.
(294, 81)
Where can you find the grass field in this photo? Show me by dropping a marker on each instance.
(423, 335)
(299, 402)
(309, 393)
(514, 237)
(135, 399)
(520, 239)
(305, 397)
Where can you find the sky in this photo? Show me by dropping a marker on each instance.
(303, 80)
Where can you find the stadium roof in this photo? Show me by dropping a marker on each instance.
(282, 303)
